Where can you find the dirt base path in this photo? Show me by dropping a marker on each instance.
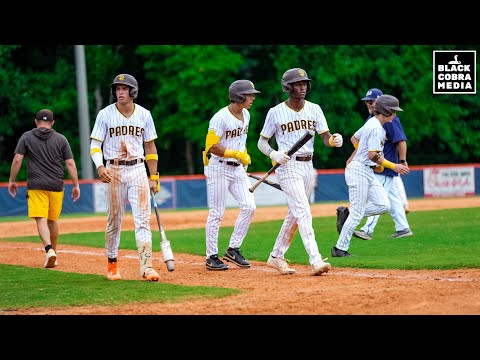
(264, 291)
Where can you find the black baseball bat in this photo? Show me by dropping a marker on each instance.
(302, 141)
(268, 182)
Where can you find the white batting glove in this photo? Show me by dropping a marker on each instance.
(279, 157)
(337, 140)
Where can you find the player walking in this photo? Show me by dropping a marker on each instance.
(226, 142)
(124, 129)
(288, 121)
(367, 196)
(395, 146)
(45, 151)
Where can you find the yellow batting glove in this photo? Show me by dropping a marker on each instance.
(379, 169)
(156, 177)
(240, 155)
(244, 158)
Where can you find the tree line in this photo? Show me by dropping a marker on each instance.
(184, 85)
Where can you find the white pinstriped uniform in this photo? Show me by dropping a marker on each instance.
(295, 177)
(367, 196)
(222, 177)
(123, 139)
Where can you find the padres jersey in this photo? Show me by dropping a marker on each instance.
(289, 125)
(232, 131)
(122, 137)
(372, 138)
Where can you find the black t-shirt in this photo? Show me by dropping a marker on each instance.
(45, 150)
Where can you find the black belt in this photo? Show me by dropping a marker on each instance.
(126, 162)
(304, 158)
(232, 163)
(371, 166)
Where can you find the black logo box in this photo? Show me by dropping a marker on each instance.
(447, 58)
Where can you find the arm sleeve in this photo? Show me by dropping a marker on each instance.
(96, 152)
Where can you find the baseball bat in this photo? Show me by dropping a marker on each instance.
(268, 182)
(295, 147)
(164, 243)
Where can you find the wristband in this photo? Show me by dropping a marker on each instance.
(155, 177)
(388, 164)
(151, 157)
(403, 161)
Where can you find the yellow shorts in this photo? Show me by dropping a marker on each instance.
(45, 204)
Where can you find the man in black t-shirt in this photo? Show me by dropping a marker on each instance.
(45, 151)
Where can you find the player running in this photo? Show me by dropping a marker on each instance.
(367, 196)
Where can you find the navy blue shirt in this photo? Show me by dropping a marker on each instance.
(394, 134)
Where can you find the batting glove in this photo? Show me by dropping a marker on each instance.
(279, 157)
(336, 140)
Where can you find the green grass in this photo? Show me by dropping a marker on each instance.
(443, 239)
(23, 287)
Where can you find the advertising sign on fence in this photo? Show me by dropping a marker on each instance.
(449, 181)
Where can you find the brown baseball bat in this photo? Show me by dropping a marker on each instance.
(302, 141)
(268, 182)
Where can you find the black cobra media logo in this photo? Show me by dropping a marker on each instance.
(454, 72)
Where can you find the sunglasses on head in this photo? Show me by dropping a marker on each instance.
(369, 102)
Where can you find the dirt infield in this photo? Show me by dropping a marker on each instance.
(264, 290)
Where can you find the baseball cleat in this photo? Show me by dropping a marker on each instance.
(113, 273)
(214, 263)
(403, 233)
(151, 275)
(281, 265)
(340, 253)
(320, 267)
(234, 255)
(362, 235)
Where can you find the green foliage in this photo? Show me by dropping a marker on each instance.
(184, 85)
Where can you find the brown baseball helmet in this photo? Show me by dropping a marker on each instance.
(292, 76)
(125, 79)
(239, 88)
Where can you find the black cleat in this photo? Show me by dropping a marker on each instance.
(214, 263)
(340, 253)
(234, 255)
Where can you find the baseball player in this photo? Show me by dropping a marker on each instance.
(395, 145)
(45, 151)
(288, 122)
(367, 196)
(121, 132)
(225, 170)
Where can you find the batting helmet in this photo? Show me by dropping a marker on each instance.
(239, 89)
(294, 75)
(386, 104)
(125, 79)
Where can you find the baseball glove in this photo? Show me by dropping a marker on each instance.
(342, 215)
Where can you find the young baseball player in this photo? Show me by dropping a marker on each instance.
(226, 171)
(395, 146)
(288, 121)
(367, 196)
(45, 151)
(122, 131)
